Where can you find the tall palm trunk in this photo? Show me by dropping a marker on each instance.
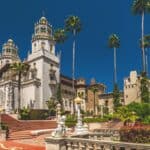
(143, 50)
(73, 68)
(19, 91)
(146, 61)
(94, 102)
(115, 67)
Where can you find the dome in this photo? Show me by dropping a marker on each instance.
(10, 41)
(43, 20)
(78, 100)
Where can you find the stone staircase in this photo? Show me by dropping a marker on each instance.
(20, 129)
(20, 135)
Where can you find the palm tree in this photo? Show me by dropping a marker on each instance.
(73, 25)
(140, 7)
(60, 35)
(19, 68)
(124, 114)
(146, 46)
(114, 42)
(94, 90)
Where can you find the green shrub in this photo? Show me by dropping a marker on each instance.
(33, 114)
(146, 120)
(24, 113)
(38, 114)
(142, 110)
(136, 134)
(92, 120)
(5, 127)
(70, 121)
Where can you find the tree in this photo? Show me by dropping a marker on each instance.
(146, 47)
(94, 90)
(145, 94)
(141, 109)
(116, 97)
(125, 115)
(114, 42)
(73, 25)
(58, 94)
(19, 68)
(60, 35)
(51, 104)
(140, 7)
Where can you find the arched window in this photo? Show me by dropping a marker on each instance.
(42, 45)
(43, 29)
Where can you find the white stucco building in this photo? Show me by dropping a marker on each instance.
(40, 82)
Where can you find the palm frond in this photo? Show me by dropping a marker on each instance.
(73, 23)
(140, 6)
(114, 41)
(146, 41)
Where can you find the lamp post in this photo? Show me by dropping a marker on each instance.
(58, 111)
(79, 129)
(78, 101)
(1, 117)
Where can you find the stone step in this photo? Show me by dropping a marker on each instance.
(20, 135)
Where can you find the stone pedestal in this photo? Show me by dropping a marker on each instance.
(55, 143)
(2, 135)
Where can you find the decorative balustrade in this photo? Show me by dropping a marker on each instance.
(88, 144)
(94, 143)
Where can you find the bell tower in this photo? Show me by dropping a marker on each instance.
(44, 57)
(42, 39)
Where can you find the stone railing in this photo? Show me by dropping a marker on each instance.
(73, 143)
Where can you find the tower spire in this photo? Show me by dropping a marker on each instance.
(43, 13)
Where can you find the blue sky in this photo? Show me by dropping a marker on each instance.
(99, 19)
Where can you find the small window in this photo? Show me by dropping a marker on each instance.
(122, 148)
(37, 30)
(7, 61)
(51, 48)
(106, 103)
(49, 31)
(126, 96)
(8, 50)
(52, 78)
(43, 29)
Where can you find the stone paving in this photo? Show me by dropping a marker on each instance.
(12, 145)
(36, 143)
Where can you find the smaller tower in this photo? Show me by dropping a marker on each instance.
(81, 92)
(132, 91)
(9, 53)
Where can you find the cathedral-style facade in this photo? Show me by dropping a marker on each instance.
(39, 83)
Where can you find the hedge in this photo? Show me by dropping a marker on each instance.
(135, 134)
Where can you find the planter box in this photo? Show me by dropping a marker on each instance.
(93, 126)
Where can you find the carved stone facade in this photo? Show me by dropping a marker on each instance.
(132, 92)
(94, 96)
(39, 83)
